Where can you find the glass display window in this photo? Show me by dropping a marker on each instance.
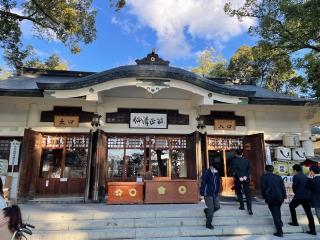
(64, 156)
(159, 156)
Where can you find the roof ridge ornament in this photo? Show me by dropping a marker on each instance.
(152, 59)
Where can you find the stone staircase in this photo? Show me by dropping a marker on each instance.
(101, 221)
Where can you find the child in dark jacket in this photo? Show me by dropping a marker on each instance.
(210, 184)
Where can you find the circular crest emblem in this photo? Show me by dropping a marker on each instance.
(132, 192)
(182, 190)
(152, 59)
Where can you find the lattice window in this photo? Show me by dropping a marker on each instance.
(53, 141)
(116, 142)
(225, 142)
(135, 143)
(79, 141)
(5, 148)
(179, 142)
(73, 141)
(161, 143)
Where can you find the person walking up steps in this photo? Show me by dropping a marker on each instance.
(241, 171)
(210, 184)
(313, 184)
(274, 193)
(301, 196)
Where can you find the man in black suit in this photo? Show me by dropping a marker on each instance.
(241, 175)
(314, 185)
(301, 196)
(274, 193)
(209, 189)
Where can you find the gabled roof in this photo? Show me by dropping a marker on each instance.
(33, 82)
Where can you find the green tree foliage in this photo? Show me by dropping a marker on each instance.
(266, 67)
(70, 21)
(4, 73)
(312, 66)
(118, 4)
(54, 62)
(259, 65)
(243, 65)
(286, 26)
(210, 64)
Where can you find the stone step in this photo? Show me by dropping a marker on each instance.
(288, 236)
(168, 232)
(111, 213)
(157, 222)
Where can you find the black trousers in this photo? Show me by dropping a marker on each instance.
(238, 188)
(275, 209)
(306, 204)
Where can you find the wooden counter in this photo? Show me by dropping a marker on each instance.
(125, 192)
(171, 191)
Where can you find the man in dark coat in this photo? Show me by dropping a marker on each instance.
(210, 184)
(313, 185)
(301, 196)
(274, 193)
(241, 175)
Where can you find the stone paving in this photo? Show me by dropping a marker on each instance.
(156, 221)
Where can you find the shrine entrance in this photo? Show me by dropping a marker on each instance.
(147, 156)
(53, 164)
(221, 151)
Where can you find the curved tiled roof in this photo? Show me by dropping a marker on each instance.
(148, 71)
(36, 81)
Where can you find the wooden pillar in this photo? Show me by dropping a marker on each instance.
(29, 166)
(98, 166)
(88, 170)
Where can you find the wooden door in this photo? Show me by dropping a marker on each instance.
(98, 166)
(30, 162)
(204, 151)
(193, 155)
(88, 182)
(254, 151)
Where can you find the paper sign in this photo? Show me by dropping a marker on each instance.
(224, 124)
(14, 152)
(148, 120)
(66, 121)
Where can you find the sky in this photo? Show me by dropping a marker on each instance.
(178, 29)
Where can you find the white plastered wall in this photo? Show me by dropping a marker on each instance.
(16, 114)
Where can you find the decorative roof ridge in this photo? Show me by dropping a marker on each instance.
(152, 59)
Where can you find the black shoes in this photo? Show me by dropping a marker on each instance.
(209, 227)
(277, 234)
(241, 207)
(311, 232)
(293, 224)
(250, 212)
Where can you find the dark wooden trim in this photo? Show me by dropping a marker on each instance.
(123, 115)
(48, 116)
(230, 115)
